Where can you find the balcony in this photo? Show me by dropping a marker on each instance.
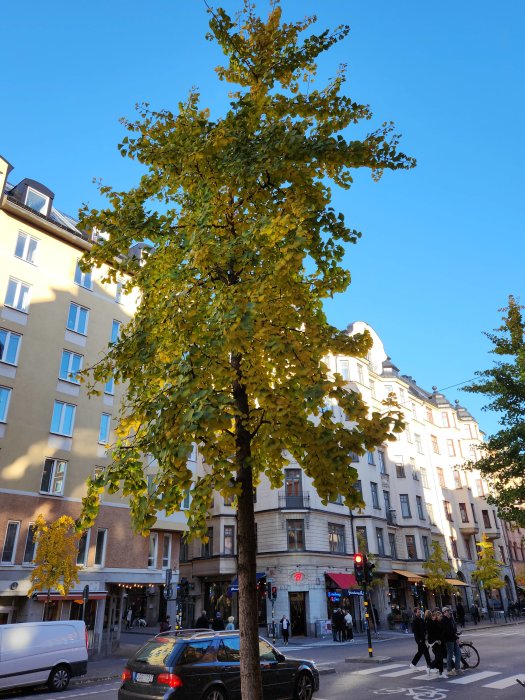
(468, 528)
(299, 501)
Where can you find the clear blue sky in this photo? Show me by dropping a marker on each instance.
(442, 245)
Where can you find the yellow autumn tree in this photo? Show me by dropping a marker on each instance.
(55, 556)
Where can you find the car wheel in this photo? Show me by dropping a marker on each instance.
(304, 688)
(214, 694)
(59, 678)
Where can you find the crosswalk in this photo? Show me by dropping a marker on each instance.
(398, 670)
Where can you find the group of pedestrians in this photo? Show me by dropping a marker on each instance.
(216, 623)
(437, 632)
(342, 626)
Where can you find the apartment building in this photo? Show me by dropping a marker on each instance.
(415, 492)
(54, 321)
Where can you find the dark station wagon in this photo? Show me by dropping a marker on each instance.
(205, 665)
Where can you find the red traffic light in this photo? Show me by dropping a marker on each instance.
(358, 558)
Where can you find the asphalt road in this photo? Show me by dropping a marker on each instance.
(502, 652)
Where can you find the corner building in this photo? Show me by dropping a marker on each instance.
(54, 321)
(415, 491)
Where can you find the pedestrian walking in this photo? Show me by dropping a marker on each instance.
(338, 625)
(420, 635)
(129, 618)
(450, 635)
(435, 641)
(474, 611)
(349, 626)
(405, 620)
(285, 626)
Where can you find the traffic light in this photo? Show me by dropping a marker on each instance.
(359, 567)
(274, 593)
(369, 570)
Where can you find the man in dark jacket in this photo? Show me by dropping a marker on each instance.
(420, 634)
(202, 622)
(450, 636)
(218, 623)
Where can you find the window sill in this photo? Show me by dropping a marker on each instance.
(14, 308)
(47, 493)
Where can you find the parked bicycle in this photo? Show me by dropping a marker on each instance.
(469, 654)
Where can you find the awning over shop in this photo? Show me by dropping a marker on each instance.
(234, 585)
(456, 582)
(410, 575)
(75, 596)
(343, 580)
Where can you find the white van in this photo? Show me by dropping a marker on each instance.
(32, 653)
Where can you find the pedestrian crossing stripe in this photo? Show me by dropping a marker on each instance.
(379, 669)
(472, 678)
(505, 682)
(466, 679)
(404, 672)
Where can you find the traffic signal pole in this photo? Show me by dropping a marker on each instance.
(363, 575)
(367, 619)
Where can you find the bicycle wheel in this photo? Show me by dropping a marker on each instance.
(469, 655)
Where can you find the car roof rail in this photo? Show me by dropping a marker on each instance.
(195, 633)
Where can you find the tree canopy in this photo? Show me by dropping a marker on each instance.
(437, 570)
(55, 556)
(488, 569)
(503, 459)
(227, 347)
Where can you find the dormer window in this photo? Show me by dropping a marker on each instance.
(37, 201)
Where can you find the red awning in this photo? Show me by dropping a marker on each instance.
(343, 580)
(93, 595)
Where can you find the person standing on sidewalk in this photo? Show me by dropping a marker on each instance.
(460, 612)
(420, 635)
(450, 635)
(349, 622)
(285, 625)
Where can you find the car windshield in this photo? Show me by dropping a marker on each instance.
(156, 651)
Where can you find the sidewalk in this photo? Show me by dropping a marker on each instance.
(111, 667)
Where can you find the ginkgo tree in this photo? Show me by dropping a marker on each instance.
(55, 560)
(226, 347)
(437, 570)
(488, 569)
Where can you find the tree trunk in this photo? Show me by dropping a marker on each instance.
(251, 681)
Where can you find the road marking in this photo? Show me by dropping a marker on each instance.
(404, 672)
(505, 682)
(379, 669)
(475, 677)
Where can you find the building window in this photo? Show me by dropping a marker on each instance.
(37, 201)
(375, 496)
(10, 542)
(419, 503)
(405, 505)
(474, 516)
(426, 550)
(344, 369)
(229, 540)
(355, 457)
(358, 487)
(444, 419)
(360, 374)
(392, 545)
(451, 448)
(30, 548)
(424, 477)
(479, 487)
(400, 470)
(109, 387)
(457, 479)
(430, 512)
(502, 554)
(454, 547)
(9, 346)
(207, 547)
(411, 547)
(448, 510)
(103, 432)
(184, 551)
(435, 444)
(372, 388)
(26, 247)
(83, 548)
(463, 512)
(419, 444)
(295, 530)
(5, 395)
(186, 500)
(228, 500)
(336, 538)
(63, 418)
(77, 319)
(486, 518)
(370, 457)
(17, 295)
(118, 291)
(153, 547)
(70, 366)
(380, 542)
(362, 537)
(468, 549)
(293, 488)
(83, 279)
(100, 547)
(408, 433)
(53, 477)
(441, 477)
(381, 461)
(429, 414)
(115, 330)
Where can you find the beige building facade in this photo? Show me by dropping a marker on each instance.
(54, 321)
